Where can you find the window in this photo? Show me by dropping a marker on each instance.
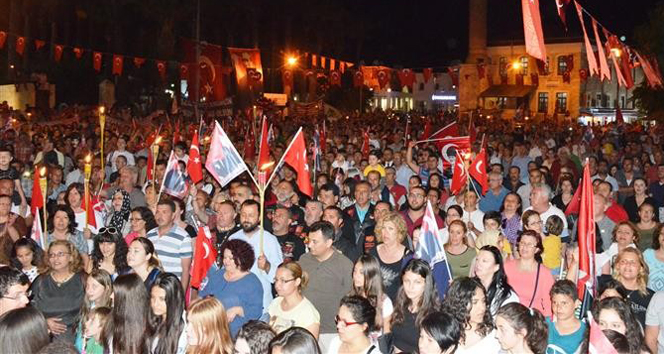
(547, 66)
(562, 64)
(607, 101)
(502, 66)
(437, 87)
(622, 101)
(599, 101)
(502, 102)
(421, 86)
(561, 101)
(524, 65)
(543, 102)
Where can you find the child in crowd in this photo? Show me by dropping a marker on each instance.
(492, 235)
(94, 325)
(553, 248)
(566, 332)
(27, 257)
(374, 164)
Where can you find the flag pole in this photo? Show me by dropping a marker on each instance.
(431, 140)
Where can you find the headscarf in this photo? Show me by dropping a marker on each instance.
(119, 218)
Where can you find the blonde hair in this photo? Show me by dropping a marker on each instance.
(76, 262)
(297, 272)
(399, 224)
(642, 277)
(208, 318)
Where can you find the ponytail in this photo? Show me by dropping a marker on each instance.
(523, 318)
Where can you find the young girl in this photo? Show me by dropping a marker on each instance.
(28, 257)
(521, 330)
(368, 283)
(94, 323)
(98, 290)
(551, 258)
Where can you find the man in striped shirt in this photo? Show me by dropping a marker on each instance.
(171, 242)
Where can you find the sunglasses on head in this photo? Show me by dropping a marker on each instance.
(110, 230)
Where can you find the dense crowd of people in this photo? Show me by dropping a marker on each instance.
(337, 271)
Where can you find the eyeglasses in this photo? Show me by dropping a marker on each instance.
(58, 255)
(283, 281)
(110, 230)
(338, 320)
(527, 245)
(27, 295)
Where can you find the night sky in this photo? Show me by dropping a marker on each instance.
(433, 33)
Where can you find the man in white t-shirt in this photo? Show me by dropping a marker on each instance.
(655, 323)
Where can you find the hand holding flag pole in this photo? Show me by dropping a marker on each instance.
(87, 172)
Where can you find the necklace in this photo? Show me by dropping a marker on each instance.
(60, 282)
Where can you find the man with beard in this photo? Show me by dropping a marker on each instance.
(292, 247)
(284, 192)
(241, 193)
(414, 215)
(268, 255)
(361, 213)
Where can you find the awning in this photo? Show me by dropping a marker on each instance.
(508, 91)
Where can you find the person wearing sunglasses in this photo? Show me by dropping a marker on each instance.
(355, 320)
(58, 293)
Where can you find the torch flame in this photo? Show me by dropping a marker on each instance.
(266, 165)
(102, 110)
(88, 158)
(158, 140)
(42, 171)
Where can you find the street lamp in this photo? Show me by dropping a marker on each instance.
(516, 65)
(291, 61)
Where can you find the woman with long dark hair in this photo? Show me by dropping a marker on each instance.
(440, 333)
(466, 301)
(23, 330)
(521, 329)
(110, 252)
(490, 271)
(28, 257)
(368, 283)
(166, 315)
(127, 330)
(417, 298)
(142, 259)
(74, 199)
(141, 220)
(295, 340)
(615, 313)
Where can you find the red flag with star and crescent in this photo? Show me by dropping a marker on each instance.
(204, 256)
(264, 148)
(194, 165)
(532, 28)
(478, 170)
(459, 175)
(296, 157)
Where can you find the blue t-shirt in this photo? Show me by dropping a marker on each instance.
(656, 278)
(247, 292)
(564, 344)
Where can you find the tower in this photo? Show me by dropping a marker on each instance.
(469, 82)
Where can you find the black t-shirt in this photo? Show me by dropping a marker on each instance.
(219, 238)
(638, 302)
(406, 334)
(292, 247)
(10, 173)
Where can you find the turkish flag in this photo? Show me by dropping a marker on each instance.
(314, 60)
(590, 53)
(287, 78)
(406, 78)
(478, 170)
(37, 200)
(212, 75)
(335, 78)
(57, 52)
(138, 62)
(118, 60)
(519, 79)
(92, 220)
(322, 61)
(161, 68)
(459, 175)
(453, 76)
(20, 45)
(96, 61)
(427, 130)
(598, 343)
(194, 165)
(264, 147)
(3, 39)
(184, 72)
(472, 131)
(534, 79)
(296, 157)
(332, 64)
(78, 52)
(205, 255)
(459, 144)
(383, 77)
(586, 227)
(562, 6)
(481, 71)
(323, 137)
(532, 28)
(358, 78)
(249, 143)
(366, 147)
(39, 44)
(427, 72)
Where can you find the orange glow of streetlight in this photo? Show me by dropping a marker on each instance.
(516, 65)
(291, 60)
